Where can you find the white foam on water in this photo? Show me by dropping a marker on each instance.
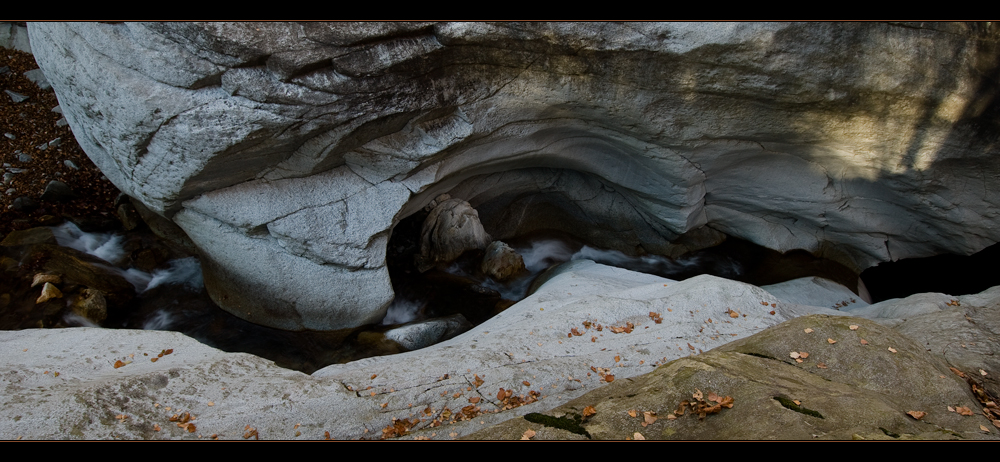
(106, 246)
(401, 311)
(182, 271)
(74, 320)
(160, 320)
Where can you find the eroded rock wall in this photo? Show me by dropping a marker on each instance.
(287, 151)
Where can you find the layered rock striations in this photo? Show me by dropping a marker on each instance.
(288, 151)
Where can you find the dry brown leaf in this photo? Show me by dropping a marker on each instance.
(864, 342)
(803, 355)
(632, 413)
(962, 410)
(983, 428)
(831, 341)
(821, 365)
(808, 330)
(528, 434)
(474, 400)
(648, 418)
(609, 378)
(982, 372)
(854, 326)
(526, 383)
(638, 437)
(698, 395)
(589, 411)
(892, 349)
(917, 414)
(478, 381)
(373, 376)
(794, 355)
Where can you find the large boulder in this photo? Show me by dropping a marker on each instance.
(288, 151)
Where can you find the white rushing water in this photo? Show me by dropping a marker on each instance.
(184, 272)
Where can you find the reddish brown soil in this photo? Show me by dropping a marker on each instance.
(33, 123)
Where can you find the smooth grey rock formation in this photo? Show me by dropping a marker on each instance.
(288, 151)
(530, 347)
(424, 334)
(450, 229)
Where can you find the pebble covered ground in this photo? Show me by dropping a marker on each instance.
(38, 147)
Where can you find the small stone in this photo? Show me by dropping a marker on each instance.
(56, 142)
(16, 97)
(24, 157)
(49, 292)
(10, 135)
(36, 75)
(57, 109)
(62, 122)
(57, 191)
(42, 278)
(23, 203)
(70, 164)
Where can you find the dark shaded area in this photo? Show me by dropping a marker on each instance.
(948, 274)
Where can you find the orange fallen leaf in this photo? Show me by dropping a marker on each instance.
(638, 437)
(808, 330)
(589, 411)
(854, 326)
(821, 365)
(528, 434)
(474, 400)
(962, 410)
(632, 413)
(892, 349)
(373, 376)
(917, 414)
(864, 342)
(830, 341)
(609, 378)
(648, 418)
(803, 355)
